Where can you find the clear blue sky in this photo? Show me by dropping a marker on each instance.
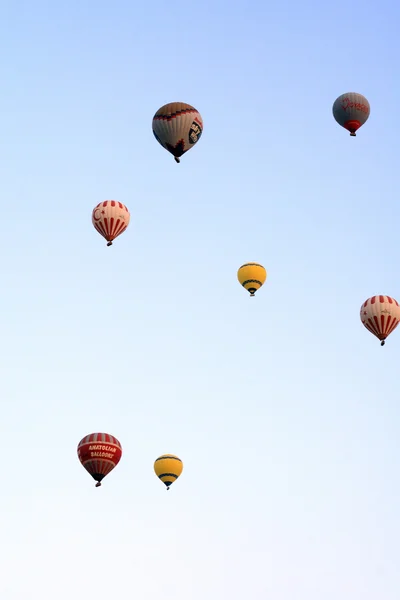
(283, 408)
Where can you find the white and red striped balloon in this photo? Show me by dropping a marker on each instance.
(380, 315)
(110, 218)
(99, 453)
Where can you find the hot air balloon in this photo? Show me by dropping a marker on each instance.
(380, 315)
(252, 276)
(177, 127)
(110, 218)
(351, 111)
(99, 453)
(168, 468)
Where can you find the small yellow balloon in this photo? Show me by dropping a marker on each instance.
(252, 276)
(168, 467)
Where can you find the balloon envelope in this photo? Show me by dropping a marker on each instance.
(351, 111)
(177, 127)
(110, 218)
(99, 453)
(252, 276)
(380, 315)
(168, 467)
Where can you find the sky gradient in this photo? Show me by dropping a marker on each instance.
(283, 408)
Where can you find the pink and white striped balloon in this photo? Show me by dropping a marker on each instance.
(380, 315)
(110, 218)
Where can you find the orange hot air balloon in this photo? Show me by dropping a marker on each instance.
(110, 218)
(99, 453)
(380, 315)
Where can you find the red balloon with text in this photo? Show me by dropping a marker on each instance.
(99, 453)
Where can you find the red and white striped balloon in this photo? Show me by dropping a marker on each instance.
(380, 315)
(99, 453)
(110, 218)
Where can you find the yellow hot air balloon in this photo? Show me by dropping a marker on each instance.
(252, 276)
(168, 467)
